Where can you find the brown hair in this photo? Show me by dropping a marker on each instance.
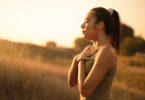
(112, 25)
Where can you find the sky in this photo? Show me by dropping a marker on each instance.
(39, 21)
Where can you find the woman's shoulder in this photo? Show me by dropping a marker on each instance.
(107, 48)
(106, 52)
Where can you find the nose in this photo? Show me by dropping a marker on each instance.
(82, 26)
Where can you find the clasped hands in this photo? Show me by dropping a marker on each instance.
(84, 55)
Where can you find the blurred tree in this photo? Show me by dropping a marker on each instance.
(131, 45)
(126, 31)
(51, 44)
(80, 44)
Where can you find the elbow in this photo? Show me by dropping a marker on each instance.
(72, 84)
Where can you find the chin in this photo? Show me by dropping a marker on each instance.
(86, 38)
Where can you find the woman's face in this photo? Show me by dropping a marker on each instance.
(88, 27)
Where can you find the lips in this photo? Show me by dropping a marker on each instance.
(83, 31)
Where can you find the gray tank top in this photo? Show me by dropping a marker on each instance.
(102, 91)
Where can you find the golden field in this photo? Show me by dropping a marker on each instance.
(30, 72)
(32, 79)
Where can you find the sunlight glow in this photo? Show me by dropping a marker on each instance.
(39, 21)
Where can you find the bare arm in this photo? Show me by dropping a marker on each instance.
(73, 73)
(81, 75)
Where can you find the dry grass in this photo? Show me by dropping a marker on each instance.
(30, 80)
(130, 79)
(23, 79)
(132, 61)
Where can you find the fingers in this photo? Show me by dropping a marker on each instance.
(88, 53)
(89, 47)
(91, 51)
(86, 58)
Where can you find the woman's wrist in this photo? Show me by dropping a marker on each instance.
(75, 58)
(82, 61)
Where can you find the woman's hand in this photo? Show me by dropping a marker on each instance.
(85, 53)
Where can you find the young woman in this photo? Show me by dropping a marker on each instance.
(94, 68)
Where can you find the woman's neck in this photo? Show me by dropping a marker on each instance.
(101, 42)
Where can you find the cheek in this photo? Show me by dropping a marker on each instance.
(90, 29)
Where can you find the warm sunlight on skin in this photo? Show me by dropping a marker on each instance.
(43, 20)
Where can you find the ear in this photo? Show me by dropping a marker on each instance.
(100, 25)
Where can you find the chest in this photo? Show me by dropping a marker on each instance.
(89, 64)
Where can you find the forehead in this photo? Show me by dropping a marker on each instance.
(90, 15)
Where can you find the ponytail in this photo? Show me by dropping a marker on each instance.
(115, 37)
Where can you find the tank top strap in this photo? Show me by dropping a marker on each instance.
(115, 59)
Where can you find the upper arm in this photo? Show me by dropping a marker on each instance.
(102, 63)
